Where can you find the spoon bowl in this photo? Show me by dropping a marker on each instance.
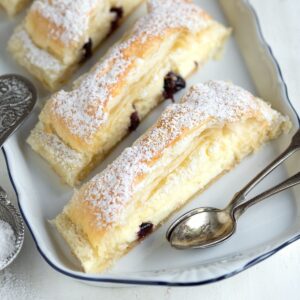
(201, 228)
(207, 226)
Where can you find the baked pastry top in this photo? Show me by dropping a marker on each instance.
(211, 129)
(147, 65)
(57, 35)
(69, 27)
(12, 7)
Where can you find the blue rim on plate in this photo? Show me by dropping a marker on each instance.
(249, 264)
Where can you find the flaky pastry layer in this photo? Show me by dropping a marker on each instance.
(56, 36)
(213, 127)
(164, 47)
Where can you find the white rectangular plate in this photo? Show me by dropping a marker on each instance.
(265, 229)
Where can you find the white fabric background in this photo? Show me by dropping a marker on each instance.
(278, 277)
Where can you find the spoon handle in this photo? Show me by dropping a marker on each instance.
(292, 148)
(292, 181)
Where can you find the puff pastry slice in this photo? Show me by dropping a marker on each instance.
(57, 35)
(210, 130)
(146, 66)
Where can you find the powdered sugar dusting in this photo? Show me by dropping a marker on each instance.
(84, 108)
(208, 104)
(71, 17)
(170, 14)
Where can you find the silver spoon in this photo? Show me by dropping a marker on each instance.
(17, 99)
(207, 226)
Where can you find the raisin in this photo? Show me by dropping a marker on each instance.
(145, 229)
(134, 121)
(172, 84)
(87, 50)
(119, 12)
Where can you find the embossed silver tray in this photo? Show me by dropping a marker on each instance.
(272, 225)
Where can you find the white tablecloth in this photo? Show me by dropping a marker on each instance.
(277, 277)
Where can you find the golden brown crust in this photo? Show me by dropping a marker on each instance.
(135, 187)
(96, 113)
(204, 106)
(111, 75)
(63, 27)
(63, 34)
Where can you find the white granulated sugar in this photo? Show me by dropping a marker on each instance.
(210, 104)
(7, 242)
(71, 17)
(36, 56)
(14, 287)
(84, 107)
